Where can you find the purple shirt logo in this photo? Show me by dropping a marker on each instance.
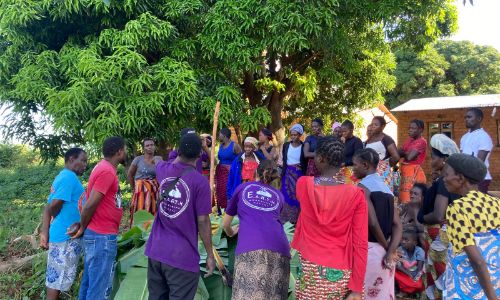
(260, 197)
(177, 200)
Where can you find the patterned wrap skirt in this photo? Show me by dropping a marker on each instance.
(311, 168)
(348, 175)
(435, 264)
(291, 208)
(461, 281)
(384, 170)
(144, 197)
(261, 275)
(410, 174)
(221, 177)
(379, 281)
(321, 283)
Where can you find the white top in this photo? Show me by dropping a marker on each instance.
(293, 155)
(379, 148)
(475, 141)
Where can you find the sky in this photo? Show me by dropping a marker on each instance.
(479, 23)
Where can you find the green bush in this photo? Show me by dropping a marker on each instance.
(16, 155)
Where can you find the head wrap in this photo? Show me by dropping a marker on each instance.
(253, 141)
(336, 125)
(443, 146)
(298, 128)
(471, 167)
(267, 133)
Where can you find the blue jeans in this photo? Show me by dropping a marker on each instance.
(99, 265)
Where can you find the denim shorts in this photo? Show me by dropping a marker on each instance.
(99, 265)
(62, 264)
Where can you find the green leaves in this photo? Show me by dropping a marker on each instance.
(447, 68)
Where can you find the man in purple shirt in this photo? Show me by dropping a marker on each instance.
(204, 152)
(184, 206)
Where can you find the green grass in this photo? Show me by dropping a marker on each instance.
(24, 188)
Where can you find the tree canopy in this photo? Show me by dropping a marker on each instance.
(447, 68)
(94, 68)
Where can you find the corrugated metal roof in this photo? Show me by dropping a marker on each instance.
(438, 103)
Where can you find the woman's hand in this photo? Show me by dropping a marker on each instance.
(234, 230)
(390, 259)
(354, 296)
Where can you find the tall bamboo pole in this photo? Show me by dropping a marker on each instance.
(212, 152)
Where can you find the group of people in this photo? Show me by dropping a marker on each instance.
(353, 239)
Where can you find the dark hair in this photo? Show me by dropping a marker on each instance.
(147, 139)
(267, 171)
(72, 153)
(381, 120)
(225, 132)
(348, 124)
(411, 231)
(477, 112)
(112, 145)
(190, 146)
(267, 133)
(422, 187)
(332, 149)
(319, 121)
(187, 130)
(368, 155)
(419, 123)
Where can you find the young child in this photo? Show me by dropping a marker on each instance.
(411, 267)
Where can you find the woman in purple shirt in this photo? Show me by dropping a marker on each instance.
(262, 266)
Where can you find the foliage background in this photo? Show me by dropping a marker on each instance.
(137, 68)
(446, 68)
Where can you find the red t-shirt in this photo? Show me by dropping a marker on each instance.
(107, 217)
(419, 145)
(332, 229)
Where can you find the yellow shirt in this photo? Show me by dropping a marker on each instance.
(476, 212)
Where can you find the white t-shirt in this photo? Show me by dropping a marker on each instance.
(475, 141)
(293, 155)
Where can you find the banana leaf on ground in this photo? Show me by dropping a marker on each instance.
(131, 269)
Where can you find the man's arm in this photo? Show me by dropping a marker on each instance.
(88, 211)
(204, 228)
(482, 154)
(50, 211)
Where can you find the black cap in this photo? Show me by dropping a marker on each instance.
(190, 146)
(471, 167)
(187, 130)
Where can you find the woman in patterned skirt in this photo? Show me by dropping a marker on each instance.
(473, 231)
(433, 216)
(385, 228)
(332, 230)
(310, 146)
(228, 151)
(386, 148)
(294, 166)
(262, 266)
(142, 178)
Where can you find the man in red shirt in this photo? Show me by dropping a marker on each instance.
(101, 214)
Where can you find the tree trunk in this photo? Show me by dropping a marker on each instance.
(275, 109)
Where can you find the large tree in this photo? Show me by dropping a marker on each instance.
(447, 68)
(139, 68)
